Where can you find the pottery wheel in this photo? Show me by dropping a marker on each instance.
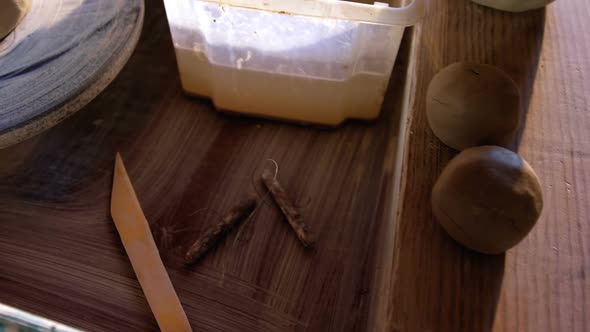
(61, 56)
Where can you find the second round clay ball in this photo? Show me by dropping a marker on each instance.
(488, 199)
(514, 5)
(472, 104)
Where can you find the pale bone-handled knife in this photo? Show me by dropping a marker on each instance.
(139, 244)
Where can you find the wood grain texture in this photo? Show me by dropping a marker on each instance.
(542, 284)
(61, 56)
(61, 257)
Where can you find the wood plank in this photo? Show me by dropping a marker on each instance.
(60, 254)
(543, 284)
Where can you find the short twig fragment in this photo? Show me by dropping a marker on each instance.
(289, 211)
(217, 232)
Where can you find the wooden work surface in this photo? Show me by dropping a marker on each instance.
(544, 283)
(60, 255)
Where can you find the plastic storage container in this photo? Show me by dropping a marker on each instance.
(315, 61)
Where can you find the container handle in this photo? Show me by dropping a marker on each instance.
(379, 13)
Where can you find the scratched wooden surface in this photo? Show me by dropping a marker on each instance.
(60, 255)
(543, 284)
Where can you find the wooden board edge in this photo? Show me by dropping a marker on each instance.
(379, 310)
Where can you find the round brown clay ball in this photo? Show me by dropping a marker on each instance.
(514, 5)
(472, 104)
(488, 199)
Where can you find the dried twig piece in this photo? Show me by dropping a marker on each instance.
(215, 233)
(289, 211)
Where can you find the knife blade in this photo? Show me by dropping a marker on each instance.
(139, 244)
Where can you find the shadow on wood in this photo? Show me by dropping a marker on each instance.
(523, 64)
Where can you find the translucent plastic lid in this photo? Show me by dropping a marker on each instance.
(379, 12)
